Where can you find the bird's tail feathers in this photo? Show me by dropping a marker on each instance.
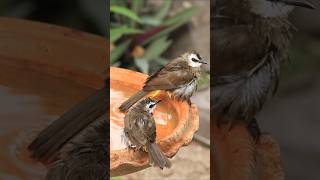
(132, 100)
(156, 157)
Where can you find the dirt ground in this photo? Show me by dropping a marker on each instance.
(191, 162)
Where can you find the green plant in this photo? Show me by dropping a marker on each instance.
(140, 38)
(116, 178)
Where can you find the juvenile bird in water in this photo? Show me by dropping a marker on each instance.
(140, 130)
(179, 78)
(250, 40)
(75, 145)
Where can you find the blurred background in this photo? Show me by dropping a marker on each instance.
(293, 115)
(144, 36)
(84, 15)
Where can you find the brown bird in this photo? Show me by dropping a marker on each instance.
(75, 144)
(250, 40)
(179, 77)
(140, 131)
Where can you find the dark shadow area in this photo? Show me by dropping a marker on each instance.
(77, 14)
(53, 56)
(249, 41)
(293, 115)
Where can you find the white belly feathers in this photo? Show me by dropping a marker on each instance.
(186, 92)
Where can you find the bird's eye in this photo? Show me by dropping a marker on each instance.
(195, 60)
(151, 106)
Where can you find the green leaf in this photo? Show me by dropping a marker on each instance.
(118, 51)
(149, 20)
(136, 5)
(204, 80)
(116, 64)
(153, 51)
(182, 16)
(125, 12)
(163, 11)
(116, 178)
(142, 64)
(162, 61)
(157, 19)
(174, 22)
(156, 48)
(116, 33)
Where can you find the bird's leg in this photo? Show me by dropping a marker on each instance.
(254, 129)
(144, 148)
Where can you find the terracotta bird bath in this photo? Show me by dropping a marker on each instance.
(176, 123)
(44, 71)
(235, 155)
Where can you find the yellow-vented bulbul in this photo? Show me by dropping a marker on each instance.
(179, 77)
(140, 130)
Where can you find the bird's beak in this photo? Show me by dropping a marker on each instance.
(299, 3)
(203, 62)
(158, 101)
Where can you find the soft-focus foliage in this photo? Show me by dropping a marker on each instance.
(140, 37)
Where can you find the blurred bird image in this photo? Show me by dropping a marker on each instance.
(179, 78)
(250, 40)
(75, 145)
(140, 131)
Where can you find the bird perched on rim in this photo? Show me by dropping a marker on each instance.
(250, 40)
(75, 145)
(179, 77)
(140, 131)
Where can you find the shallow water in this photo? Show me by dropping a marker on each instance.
(164, 114)
(29, 100)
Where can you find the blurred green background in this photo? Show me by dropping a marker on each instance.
(142, 31)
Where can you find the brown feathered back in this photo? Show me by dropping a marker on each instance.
(140, 126)
(175, 74)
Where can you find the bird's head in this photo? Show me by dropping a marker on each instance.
(149, 104)
(193, 59)
(277, 8)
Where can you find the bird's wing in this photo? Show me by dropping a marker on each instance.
(150, 129)
(84, 157)
(142, 129)
(173, 75)
(48, 143)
